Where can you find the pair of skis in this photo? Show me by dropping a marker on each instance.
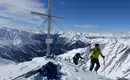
(29, 73)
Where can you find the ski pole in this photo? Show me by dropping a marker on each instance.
(104, 67)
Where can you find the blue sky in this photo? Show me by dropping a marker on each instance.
(80, 15)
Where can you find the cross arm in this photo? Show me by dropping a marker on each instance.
(41, 14)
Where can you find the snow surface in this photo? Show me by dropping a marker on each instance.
(13, 70)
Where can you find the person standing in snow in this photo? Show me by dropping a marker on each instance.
(76, 58)
(94, 57)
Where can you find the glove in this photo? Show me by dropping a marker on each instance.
(103, 56)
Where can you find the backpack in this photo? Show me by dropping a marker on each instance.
(49, 70)
(75, 57)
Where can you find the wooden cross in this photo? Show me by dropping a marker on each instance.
(48, 40)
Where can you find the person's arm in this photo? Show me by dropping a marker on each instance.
(81, 57)
(102, 55)
(91, 54)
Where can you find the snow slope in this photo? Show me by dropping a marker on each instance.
(13, 70)
(117, 57)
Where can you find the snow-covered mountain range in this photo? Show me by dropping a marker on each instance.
(19, 45)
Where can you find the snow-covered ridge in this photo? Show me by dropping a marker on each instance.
(96, 35)
(14, 70)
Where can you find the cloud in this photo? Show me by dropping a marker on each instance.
(14, 11)
(85, 26)
(4, 22)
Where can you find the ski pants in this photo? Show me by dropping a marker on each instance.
(93, 62)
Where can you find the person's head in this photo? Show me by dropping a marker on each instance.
(78, 53)
(96, 45)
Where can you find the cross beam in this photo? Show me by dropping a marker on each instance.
(48, 40)
(41, 14)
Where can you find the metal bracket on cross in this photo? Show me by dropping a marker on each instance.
(49, 41)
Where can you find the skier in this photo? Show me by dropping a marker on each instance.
(94, 57)
(76, 58)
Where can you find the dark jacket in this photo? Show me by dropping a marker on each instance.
(76, 58)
